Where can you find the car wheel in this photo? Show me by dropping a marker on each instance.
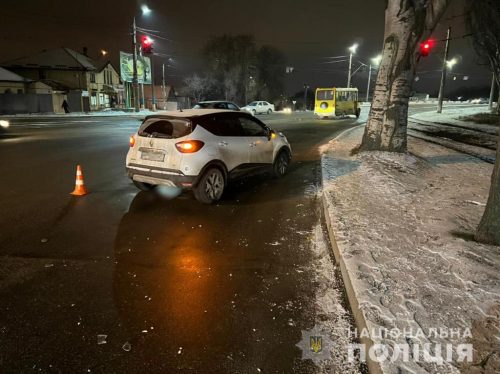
(269, 111)
(280, 166)
(254, 112)
(210, 187)
(358, 112)
(144, 186)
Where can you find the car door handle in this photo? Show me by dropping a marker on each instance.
(223, 144)
(252, 144)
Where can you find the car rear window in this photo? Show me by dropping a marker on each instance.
(221, 124)
(170, 128)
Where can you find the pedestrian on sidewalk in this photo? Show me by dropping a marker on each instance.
(65, 106)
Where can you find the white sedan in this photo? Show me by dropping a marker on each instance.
(259, 107)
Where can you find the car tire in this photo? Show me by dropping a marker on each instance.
(144, 186)
(358, 112)
(281, 163)
(210, 186)
(269, 111)
(254, 112)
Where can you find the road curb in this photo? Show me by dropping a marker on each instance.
(359, 319)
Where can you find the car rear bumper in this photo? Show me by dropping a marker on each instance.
(160, 176)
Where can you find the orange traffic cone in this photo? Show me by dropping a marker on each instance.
(80, 189)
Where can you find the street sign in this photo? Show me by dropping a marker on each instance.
(127, 66)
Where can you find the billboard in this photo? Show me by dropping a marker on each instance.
(143, 68)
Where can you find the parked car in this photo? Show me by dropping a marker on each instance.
(259, 107)
(216, 105)
(202, 150)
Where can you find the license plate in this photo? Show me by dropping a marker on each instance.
(153, 156)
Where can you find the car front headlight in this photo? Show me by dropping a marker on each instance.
(4, 124)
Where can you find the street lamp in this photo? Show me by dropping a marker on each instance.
(352, 50)
(375, 62)
(145, 11)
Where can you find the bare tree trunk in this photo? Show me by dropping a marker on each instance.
(406, 22)
(489, 228)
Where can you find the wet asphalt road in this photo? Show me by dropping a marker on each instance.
(175, 285)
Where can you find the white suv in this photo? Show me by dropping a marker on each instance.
(202, 149)
(259, 107)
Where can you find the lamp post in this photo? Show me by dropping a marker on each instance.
(352, 50)
(145, 11)
(375, 62)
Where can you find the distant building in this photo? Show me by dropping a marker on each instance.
(88, 84)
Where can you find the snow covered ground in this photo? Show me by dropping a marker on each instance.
(403, 226)
(452, 116)
(451, 130)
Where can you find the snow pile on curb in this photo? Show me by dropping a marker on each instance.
(403, 226)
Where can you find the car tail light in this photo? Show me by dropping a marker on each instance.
(131, 141)
(189, 146)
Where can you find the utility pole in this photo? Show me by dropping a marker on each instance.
(369, 79)
(135, 87)
(492, 92)
(443, 72)
(163, 87)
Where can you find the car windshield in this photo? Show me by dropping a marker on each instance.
(168, 128)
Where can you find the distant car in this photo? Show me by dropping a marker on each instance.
(479, 101)
(216, 105)
(259, 107)
(202, 149)
(4, 125)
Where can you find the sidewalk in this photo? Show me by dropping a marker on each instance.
(402, 228)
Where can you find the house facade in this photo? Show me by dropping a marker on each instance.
(87, 84)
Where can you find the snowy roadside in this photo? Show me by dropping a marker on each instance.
(452, 116)
(402, 228)
(452, 130)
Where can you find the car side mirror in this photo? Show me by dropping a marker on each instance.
(271, 134)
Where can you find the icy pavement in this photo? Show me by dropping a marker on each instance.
(403, 226)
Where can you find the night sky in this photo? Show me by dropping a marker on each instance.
(308, 32)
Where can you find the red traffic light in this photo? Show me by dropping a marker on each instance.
(426, 46)
(146, 45)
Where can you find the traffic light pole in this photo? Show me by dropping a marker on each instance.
(443, 72)
(135, 87)
(492, 92)
(163, 86)
(153, 98)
